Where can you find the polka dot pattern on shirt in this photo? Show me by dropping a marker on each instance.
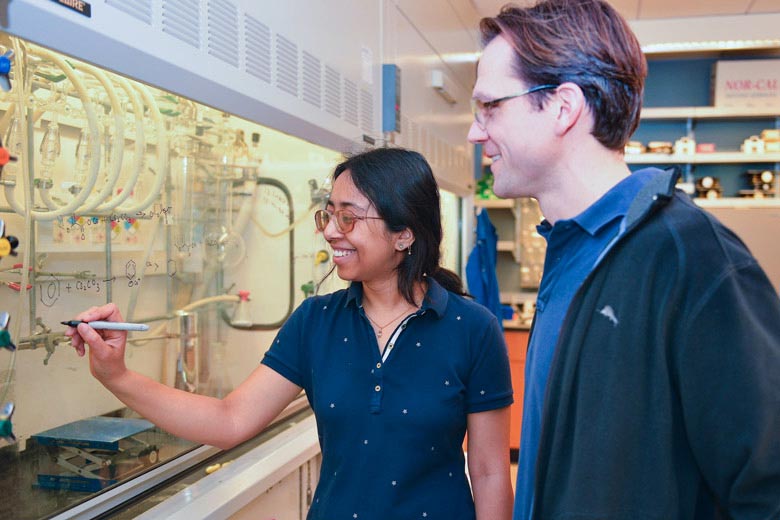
(384, 420)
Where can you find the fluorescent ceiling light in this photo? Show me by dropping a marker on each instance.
(710, 45)
(460, 57)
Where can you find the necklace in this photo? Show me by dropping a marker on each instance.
(380, 327)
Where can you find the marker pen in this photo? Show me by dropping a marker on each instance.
(108, 325)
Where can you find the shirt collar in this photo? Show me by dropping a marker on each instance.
(435, 298)
(613, 204)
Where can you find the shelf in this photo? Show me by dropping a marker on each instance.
(709, 112)
(703, 158)
(495, 203)
(507, 246)
(738, 202)
(517, 297)
(516, 324)
(507, 224)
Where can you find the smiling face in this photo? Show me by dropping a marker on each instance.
(515, 134)
(368, 252)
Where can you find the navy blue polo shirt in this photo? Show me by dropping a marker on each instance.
(573, 247)
(391, 426)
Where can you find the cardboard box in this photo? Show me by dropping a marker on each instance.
(753, 144)
(771, 146)
(685, 145)
(770, 135)
(746, 83)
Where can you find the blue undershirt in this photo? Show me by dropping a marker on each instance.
(573, 246)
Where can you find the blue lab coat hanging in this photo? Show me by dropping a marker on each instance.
(481, 266)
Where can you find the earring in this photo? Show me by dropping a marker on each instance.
(399, 246)
(409, 250)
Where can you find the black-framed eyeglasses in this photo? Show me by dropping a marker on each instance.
(345, 219)
(482, 109)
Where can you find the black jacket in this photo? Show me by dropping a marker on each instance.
(663, 400)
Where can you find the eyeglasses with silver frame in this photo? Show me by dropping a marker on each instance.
(482, 109)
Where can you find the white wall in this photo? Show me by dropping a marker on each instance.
(435, 35)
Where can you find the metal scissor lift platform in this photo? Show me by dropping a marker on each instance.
(90, 450)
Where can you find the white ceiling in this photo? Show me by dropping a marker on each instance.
(634, 10)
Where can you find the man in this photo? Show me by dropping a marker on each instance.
(653, 367)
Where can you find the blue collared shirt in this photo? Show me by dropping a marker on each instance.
(573, 246)
(391, 425)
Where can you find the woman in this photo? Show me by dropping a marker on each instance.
(396, 368)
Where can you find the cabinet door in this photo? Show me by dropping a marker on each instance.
(517, 343)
